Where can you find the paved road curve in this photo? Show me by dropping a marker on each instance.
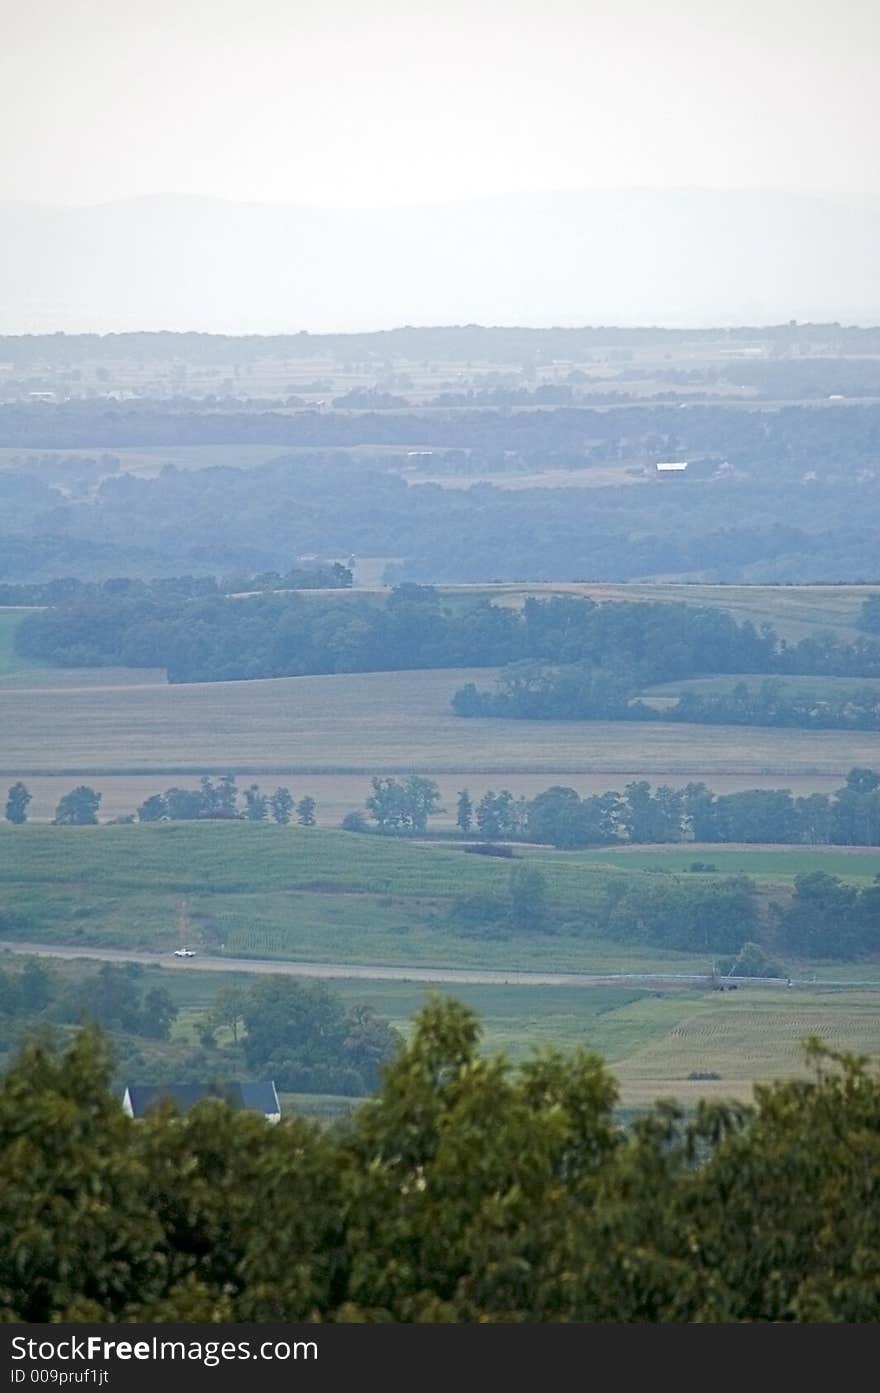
(474, 976)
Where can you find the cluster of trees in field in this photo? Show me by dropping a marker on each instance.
(539, 691)
(713, 916)
(220, 802)
(721, 916)
(825, 917)
(775, 703)
(524, 907)
(402, 808)
(559, 817)
(800, 483)
(112, 997)
(302, 1035)
(564, 657)
(78, 808)
(512, 1195)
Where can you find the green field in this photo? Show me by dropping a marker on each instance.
(652, 1041)
(515, 1019)
(745, 1039)
(318, 896)
(307, 894)
(767, 864)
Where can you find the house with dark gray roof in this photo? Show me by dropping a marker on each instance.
(140, 1098)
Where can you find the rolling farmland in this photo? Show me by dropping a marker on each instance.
(268, 892)
(310, 895)
(795, 611)
(651, 1039)
(755, 1038)
(265, 892)
(764, 863)
(364, 723)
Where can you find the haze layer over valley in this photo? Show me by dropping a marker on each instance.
(678, 257)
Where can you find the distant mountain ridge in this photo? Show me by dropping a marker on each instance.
(680, 257)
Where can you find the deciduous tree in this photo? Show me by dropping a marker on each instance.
(17, 802)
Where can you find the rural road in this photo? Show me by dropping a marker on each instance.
(376, 973)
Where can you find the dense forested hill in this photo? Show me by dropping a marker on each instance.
(783, 495)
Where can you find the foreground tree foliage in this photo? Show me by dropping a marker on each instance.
(464, 1191)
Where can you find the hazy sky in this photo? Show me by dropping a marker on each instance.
(366, 102)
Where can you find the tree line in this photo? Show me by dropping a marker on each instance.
(465, 1190)
(219, 802)
(112, 997)
(209, 802)
(300, 1034)
(641, 815)
(558, 816)
(69, 589)
(564, 657)
(417, 344)
(580, 692)
(823, 917)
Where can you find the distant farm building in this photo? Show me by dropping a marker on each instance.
(139, 1099)
(672, 467)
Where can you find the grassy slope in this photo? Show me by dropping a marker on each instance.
(263, 891)
(276, 892)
